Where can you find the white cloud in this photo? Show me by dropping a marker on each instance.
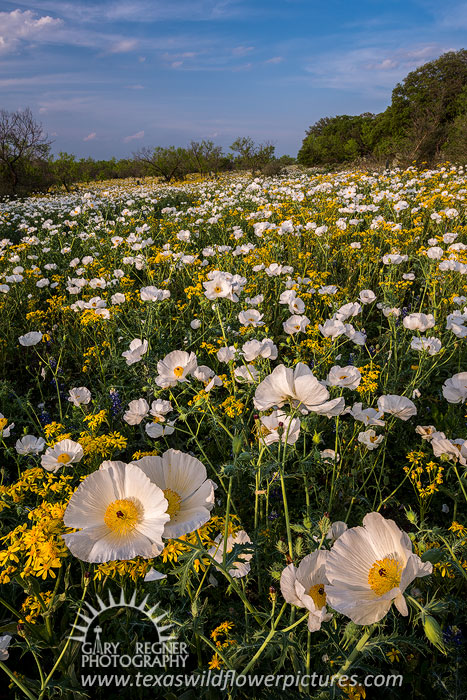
(275, 59)
(386, 64)
(17, 26)
(90, 137)
(242, 50)
(123, 46)
(134, 137)
(73, 105)
(351, 70)
(177, 64)
(134, 87)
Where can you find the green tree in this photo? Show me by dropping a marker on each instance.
(24, 150)
(338, 139)
(169, 163)
(427, 102)
(205, 156)
(250, 155)
(65, 169)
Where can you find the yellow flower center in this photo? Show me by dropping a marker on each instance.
(63, 458)
(318, 595)
(123, 515)
(218, 289)
(384, 575)
(174, 501)
(3, 422)
(178, 371)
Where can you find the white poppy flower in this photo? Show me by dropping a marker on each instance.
(62, 454)
(138, 348)
(304, 587)
(426, 431)
(246, 374)
(369, 416)
(430, 345)
(454, 450)
(259, 348)
(4, 427)
(5, 640)
(175, 367)
(419, 322)
(329, 456)
(399, 406)
(241, 566)
(369, 568)
(251, 317)
(79, 395)
(226, 354)
(332, 328)
(219, 286)
(121, 514)
(117, 298)
(154, 575)
(159, 408)
(295, 324)
(31, 338)
(278, 427)
(297, 385)
(157, 429)
(391, 311)
(331, 408)
(455, 388)
(370, 439)
(287, 296)
(336, 530)
(153, 294)
(30, 445)
(189, 493)
(297, 306)
(357, 337)
(367, 296)
(347, 311)
(348, 377)
(136, 412)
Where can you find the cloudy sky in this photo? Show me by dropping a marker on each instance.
(105, 78)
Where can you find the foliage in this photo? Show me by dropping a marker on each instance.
(81, 271)
(423, 123)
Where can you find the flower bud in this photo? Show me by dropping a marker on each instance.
(411, 516)
(433, 632)
(237, 443)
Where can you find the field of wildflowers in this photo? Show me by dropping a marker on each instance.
(246, 400)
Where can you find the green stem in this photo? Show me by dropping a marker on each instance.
(65, 647)
(224, 572)
(460, 482)
(15, 680)
(355, 652)
(263, 646)
(227, 516)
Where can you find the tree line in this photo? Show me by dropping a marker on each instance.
(425, 122)
(27, 165)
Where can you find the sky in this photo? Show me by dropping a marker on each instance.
(106, 78)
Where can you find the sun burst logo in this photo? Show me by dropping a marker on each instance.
(80, 631)
(128, 643)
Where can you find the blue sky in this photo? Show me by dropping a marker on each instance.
(106, 78)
